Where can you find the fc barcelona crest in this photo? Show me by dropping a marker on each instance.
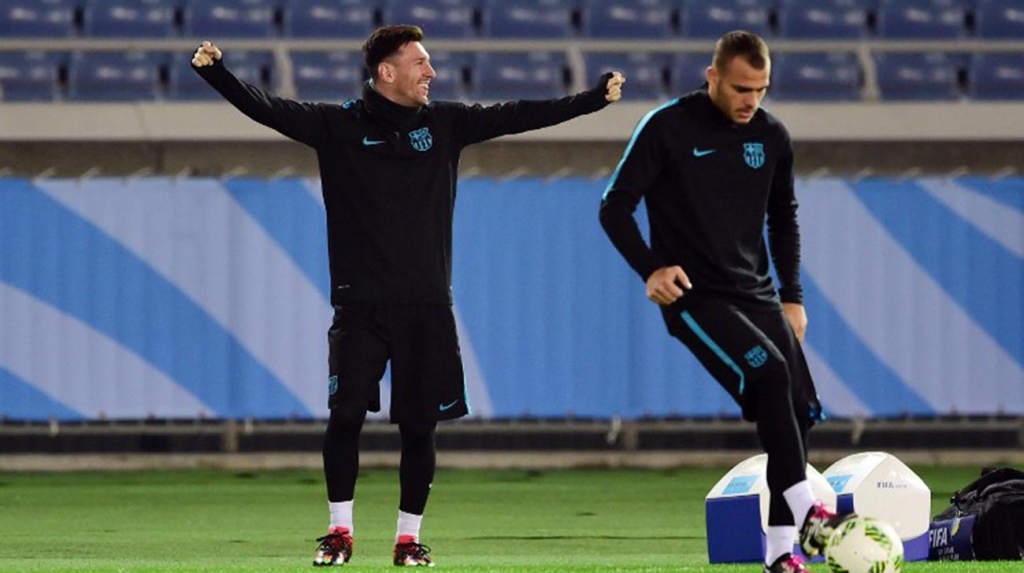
(756, 356)
(421, 140)
(753, 154)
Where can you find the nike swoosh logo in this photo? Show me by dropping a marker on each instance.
(368, 142)
(444, 407)
(702, 152)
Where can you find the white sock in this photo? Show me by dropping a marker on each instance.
(800, 499)
(341, 514)
(780, 542)
(408, 524)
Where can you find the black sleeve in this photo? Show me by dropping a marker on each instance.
(634, 176)
(478, 123)
(783, 228)
(303, 122)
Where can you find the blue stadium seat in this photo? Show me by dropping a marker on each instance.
(114, 76)
(329, 18)
(29, 76)
(37, 19)
(450, 82)
(932, 76)
(511, 76)
(831, 76)
(997, 76)
(438, 18)
(645, 73)
(628, 18)
(825, 19)
(687, 72)
(327, 76)
(922, 19)
(527, 19)
(129, 18)
(256, 68)
(229, 19)
(999, 19)
(712, 18)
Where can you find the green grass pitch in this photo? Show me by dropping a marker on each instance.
(222, 521)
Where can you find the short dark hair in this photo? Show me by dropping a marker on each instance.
(747, 45)
(385, 41)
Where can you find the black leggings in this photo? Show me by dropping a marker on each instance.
(416, 473)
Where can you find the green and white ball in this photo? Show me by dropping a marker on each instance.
(864, 545)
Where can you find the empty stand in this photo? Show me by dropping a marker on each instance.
(824, 19)
(255, 68)
(1002, 19)
(687, 72)
(645, 72)
(509, 76)
(31, 76)
(832, 76)
(628, 18)
(229, 19)
(329, 18)
(129, 18)
(527, 19)
(438, 18)
(713, 18)
(933, 76)
(922, 19)
(114, 76)
(327, 76)
(997, 76)
(37, 19)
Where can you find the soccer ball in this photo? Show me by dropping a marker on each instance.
(864, 545)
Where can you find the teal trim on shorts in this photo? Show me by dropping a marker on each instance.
(689, 320)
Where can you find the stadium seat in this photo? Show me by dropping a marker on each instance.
(29, 76)
(824, 19)
(37, 19)
(114, 76)
(922, 19)
(628, 18)
(997, 76)
(687, 72)
(712, 18)
(511, 76)
(999, 19)
(329, 18)
(645, 72)
(451, 69)
(256, 68)
(128, 18)
(438, 18)
(527, 19)
(229, 19)
(831, 76)
(931, 76)
(327, 76)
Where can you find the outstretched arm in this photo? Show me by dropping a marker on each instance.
(302, 122)
(480, 123)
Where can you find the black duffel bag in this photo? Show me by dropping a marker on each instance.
(987, 515)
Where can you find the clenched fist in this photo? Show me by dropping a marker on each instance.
(614, 87)
(205, 55)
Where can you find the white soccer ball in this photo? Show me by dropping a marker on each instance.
(864, 545)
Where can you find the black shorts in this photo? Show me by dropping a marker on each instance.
(427, 381)
(735, 343)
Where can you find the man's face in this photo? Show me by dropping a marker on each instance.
(738, 89)
(407, 73)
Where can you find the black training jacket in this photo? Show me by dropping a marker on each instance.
(388, 174)
(709, 185)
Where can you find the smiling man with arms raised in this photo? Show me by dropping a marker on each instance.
(388, 169)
